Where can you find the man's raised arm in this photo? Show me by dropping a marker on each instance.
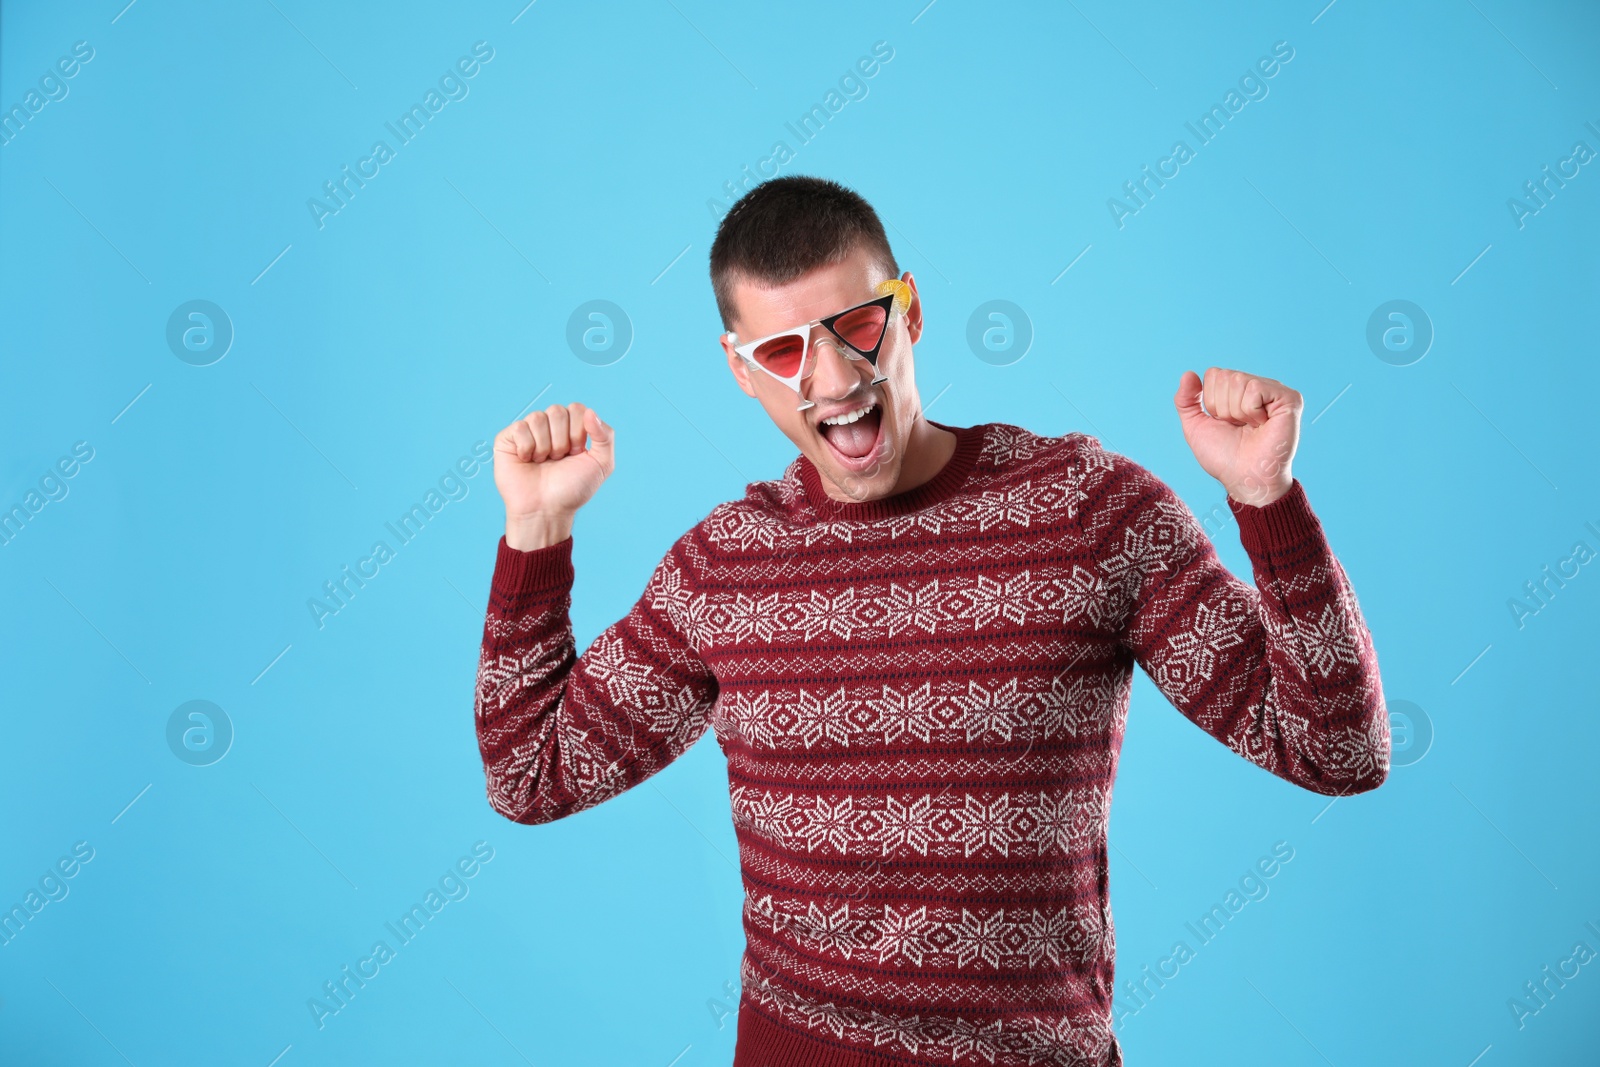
(560, 732)
(1285, 674)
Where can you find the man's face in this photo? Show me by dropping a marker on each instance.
(857, 434)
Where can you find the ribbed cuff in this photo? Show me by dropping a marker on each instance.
(762, 1042)
(1286, 522)
(539, 571)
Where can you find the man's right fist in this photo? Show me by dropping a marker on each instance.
(545, 474)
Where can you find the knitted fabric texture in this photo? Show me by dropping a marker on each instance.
(922, 701)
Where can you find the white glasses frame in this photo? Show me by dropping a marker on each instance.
(896, 296)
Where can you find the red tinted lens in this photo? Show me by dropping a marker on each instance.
(862, 328)
(781, 355)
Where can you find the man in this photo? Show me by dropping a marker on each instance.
(916, 649)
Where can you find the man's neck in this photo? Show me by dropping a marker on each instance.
(927, 451)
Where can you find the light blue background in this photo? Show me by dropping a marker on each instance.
(433, 309)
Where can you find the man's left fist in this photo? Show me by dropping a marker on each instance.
(1243, 429)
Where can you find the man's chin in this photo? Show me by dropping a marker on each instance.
(866, 477)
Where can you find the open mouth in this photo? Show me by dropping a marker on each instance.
(854, 435)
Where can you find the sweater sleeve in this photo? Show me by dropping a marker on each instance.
(1285, 673)
(560, 732)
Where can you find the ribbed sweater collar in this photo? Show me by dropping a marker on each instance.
(969, 443)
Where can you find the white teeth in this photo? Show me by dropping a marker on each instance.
(845, 420)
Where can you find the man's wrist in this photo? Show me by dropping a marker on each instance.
(1259, 494)
(531, 532)
(1287, 521)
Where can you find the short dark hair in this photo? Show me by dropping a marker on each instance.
(788, 226)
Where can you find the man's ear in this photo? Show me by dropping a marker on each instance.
(914, 312)
(741, 373)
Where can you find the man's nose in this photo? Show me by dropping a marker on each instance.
(835, 375)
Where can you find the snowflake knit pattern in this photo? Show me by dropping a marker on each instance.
(922, 701)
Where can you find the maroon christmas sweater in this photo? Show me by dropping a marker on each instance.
(922, 701)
